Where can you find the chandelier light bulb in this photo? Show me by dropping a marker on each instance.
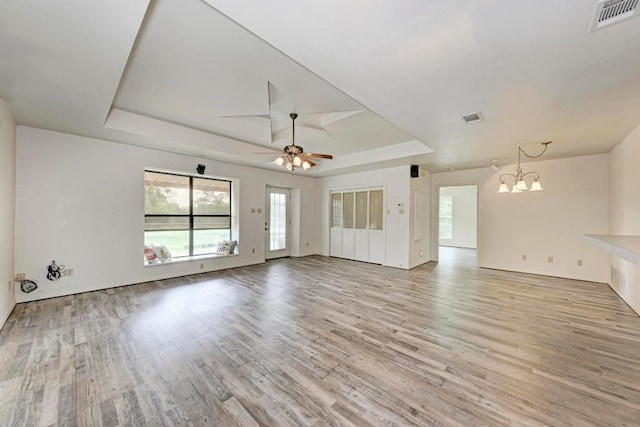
(290, 166)
(536, 186)
(297, 161)
(306, 165)
(522, 185)
(515, 189)
(503, 188)
(279, 161)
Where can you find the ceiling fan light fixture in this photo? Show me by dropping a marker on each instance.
(294, 155)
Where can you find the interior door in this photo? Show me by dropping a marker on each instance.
(277, 223)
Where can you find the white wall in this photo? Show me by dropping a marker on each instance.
(397, 213)
(7, 210)
(624, 208)
(420, 249)
(80, 201)
(547, 223)
(464, 216)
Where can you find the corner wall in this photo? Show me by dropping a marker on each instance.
(543, 224)
(7, 210)
(80, 202)
(624, 209)
(419, 244)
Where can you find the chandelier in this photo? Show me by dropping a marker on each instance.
(519, 178)
(294, 156)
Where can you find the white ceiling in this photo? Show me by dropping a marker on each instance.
(391, 79)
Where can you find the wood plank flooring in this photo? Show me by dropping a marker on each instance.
(322, 341)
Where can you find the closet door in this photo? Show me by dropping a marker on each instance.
(348, 230)
(376, 227)
(362, 226)
(336, 225)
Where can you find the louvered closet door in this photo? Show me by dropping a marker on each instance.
(361, 252)
(348, 230)
(336, 225)
(376, 227)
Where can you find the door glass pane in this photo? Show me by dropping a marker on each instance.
(348, 210)
(361, 210)
(166, 194)
(211, 197)
(336, 210)
(375, 210)
(277, 221)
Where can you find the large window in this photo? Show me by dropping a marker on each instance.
(189, 215)
(446, 217)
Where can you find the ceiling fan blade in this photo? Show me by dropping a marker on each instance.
(319, 156)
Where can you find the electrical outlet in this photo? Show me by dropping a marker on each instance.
(550, 259)
(579, 263)
(201, 266)
(524, 257)
(20, 276)
(67, 272)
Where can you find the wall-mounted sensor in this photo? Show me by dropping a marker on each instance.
(200, 169)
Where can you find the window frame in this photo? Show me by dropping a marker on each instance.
(191, 215)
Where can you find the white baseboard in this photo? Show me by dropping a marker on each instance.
(631, 306)
(6, 315)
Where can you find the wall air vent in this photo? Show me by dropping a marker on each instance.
(475, 117)
(611, 11)
(618, 282)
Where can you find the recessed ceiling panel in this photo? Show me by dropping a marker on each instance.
(194, 66)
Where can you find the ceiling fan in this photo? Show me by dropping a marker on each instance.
(294, 156)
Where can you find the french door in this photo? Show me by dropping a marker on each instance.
(277, 221)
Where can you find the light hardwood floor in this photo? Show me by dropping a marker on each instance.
(322, 341)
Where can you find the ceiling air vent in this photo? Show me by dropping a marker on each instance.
(611, 11)
(474, 117)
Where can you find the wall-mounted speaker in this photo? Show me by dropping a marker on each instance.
(415, 171)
